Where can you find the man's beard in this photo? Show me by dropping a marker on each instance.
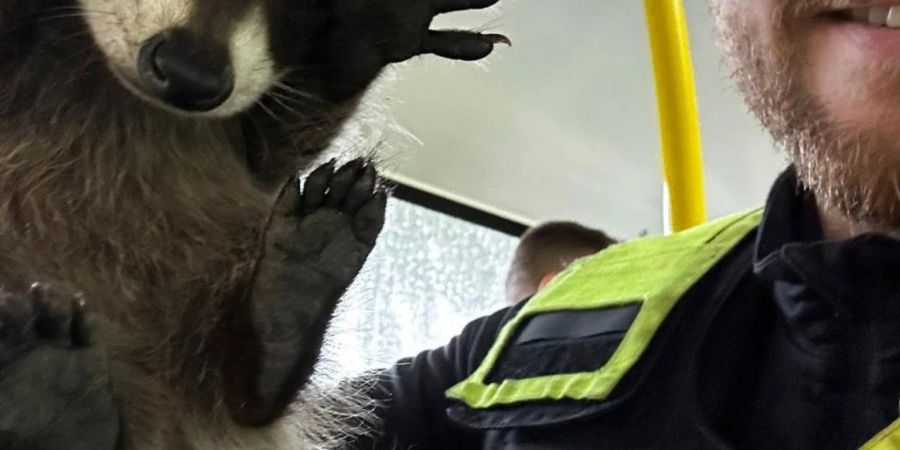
(850, 172)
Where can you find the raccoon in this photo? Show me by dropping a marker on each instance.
(167, 276)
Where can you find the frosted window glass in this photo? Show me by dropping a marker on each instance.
(428, 276)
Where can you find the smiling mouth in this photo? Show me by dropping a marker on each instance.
(878, 16)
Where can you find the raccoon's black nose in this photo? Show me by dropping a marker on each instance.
(185, 71)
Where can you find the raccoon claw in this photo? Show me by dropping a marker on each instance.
(341, 184)
(457, 44)
(371, 34)
(462, 45)
(498, 39)
(51, 385)
(315, 188)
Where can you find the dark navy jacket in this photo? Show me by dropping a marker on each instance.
(789, 342)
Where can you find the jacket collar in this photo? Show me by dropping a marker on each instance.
(852, 278)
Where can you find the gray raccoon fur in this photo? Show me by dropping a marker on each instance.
(144, 213)
(155, 217)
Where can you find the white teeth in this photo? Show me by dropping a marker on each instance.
(878, 15)
(893, 18)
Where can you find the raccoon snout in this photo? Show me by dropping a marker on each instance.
(185, 71)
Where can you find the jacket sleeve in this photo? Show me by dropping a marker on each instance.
(411, 411)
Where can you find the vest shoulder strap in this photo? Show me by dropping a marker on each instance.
(887, 439)
(652, 272)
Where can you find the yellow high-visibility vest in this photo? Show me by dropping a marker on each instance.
(653, 273)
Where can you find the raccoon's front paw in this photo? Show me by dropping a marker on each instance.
(401, 29)
(318, 241)
(367, 35)
(53, 393)
(337, 217)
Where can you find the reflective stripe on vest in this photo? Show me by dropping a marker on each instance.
(652, 272)
(889, 439)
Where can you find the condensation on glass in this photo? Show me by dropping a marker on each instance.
(429, 275)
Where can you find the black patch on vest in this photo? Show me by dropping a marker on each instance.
(564, 342)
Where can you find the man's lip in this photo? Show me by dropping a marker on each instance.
(833, 7)
(808, 10)
(882, 42)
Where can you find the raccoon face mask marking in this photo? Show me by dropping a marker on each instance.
(185, 56)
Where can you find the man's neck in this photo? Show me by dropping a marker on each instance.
(837, 227)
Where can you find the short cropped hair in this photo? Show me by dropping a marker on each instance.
(549, 248)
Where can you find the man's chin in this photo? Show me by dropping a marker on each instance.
(858, 181)
(862, 106)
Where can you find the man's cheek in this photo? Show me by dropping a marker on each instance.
(852, 89)
(749, 24)
(748, 11)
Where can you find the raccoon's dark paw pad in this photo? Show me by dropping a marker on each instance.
(331, 222)
(41, 316)
(53, 387)
(351, 191)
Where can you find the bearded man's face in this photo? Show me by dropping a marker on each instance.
(824, 77)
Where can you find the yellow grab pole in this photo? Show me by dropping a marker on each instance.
(678, 115)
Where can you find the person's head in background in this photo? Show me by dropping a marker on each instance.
(544, 251)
